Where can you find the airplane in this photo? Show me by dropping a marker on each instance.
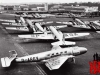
(90, 26)
(55, 35)
(80, 25)
(76, 23)
(13, 23)
(95, 26)
(10, 21)
(53, 59)
(18, 27)
(72, 15)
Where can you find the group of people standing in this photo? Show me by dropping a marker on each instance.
(96, 57)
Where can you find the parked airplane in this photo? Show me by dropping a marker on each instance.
(15, 22)
(91, 25)
(18, 27)
(57, 35)
(53, 59)
(84, 26)
(76, 23)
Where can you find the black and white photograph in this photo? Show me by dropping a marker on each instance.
(50, 37)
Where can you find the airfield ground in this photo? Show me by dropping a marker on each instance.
(81, 67)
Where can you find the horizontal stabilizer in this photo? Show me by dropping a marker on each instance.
(63, 43)
(6, 61)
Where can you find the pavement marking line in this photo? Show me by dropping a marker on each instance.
(22, 50)
(40, 69)
(26, 54)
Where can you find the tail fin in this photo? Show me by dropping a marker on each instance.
(63, 43)
(94, 25)
(6, 61)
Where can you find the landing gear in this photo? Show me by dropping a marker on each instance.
(71, 60)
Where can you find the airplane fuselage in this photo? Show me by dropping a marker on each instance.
(53, 53)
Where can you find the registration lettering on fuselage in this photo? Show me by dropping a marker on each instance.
(71, 34)
(30, 59)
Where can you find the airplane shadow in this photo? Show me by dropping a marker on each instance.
(35, 41)
(67, 68)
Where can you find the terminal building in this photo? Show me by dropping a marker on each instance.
(79, 10)
(32, 7)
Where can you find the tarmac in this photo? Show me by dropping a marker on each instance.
(26, 47)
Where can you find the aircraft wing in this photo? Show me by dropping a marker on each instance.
(11, 24)
(56, 62)
(18, 28)
(7, 21)
(95, 25)
(81, 26)
(37, 36)
(51, 23)
(58, 27)
(67, 23)
(73, 35)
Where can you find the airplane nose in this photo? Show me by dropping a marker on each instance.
(82, 51)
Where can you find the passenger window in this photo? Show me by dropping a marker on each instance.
(48, 54)
(25, 27)
(61, 52)
(57, 53)
(65, 51)
(53, 54)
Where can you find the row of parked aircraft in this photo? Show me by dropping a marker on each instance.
(54, 58)
(46, 32)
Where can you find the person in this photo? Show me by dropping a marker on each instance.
(94, 57)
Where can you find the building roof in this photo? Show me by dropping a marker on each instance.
(35, 6)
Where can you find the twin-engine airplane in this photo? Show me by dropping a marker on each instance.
(53, 59)
(55, 35)
(88, 25)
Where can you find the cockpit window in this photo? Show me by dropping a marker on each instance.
(48, 54)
